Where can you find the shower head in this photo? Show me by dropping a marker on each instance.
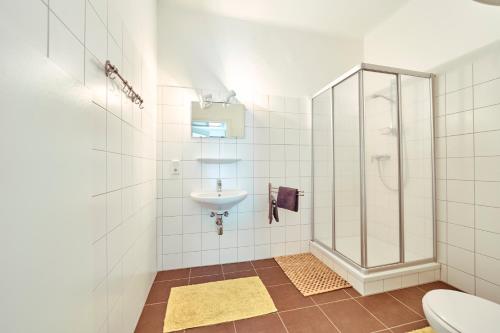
(391, 131)
(380, 158)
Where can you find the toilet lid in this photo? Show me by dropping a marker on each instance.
(465, 313)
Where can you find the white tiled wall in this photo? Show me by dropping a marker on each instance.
(276, 148)
(467, 123)
(78, 36)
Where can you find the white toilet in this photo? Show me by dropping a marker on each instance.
(449, 311)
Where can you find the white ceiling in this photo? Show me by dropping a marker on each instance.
(352, 18)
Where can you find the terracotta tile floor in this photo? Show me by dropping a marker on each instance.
(337, 311)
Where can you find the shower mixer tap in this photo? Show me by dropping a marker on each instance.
(381, 157)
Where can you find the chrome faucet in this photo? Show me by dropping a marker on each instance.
(219, 185)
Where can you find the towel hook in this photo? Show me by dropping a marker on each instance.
(112, 72)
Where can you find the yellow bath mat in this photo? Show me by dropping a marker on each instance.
(309, 275)
(216, 302)
(424, 330)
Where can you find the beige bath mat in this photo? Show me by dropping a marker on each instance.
(216, 302)
(309, 275)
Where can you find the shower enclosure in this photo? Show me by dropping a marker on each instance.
(373, 168)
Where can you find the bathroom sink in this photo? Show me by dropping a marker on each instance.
(219, 201)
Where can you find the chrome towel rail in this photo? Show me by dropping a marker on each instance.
(271, 189)
(112, 73)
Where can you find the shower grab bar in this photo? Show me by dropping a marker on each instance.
(112, 72)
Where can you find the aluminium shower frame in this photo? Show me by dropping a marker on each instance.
(398, 72)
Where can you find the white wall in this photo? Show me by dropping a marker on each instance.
(78, 165)
(202, 50)
(467, 123)
(459, 41)
(276, 148)
(267, 66)
(426, 33)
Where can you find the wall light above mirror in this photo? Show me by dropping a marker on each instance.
(217, 120)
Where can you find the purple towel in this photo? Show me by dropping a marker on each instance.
(288, 198)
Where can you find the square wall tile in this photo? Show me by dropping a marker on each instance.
(488, 268)
(459, 78)
(459, 123)
(487, 119)
(461, 259)
(461, 236)
(459, 101)
(65, 49)
(95, 35)
(460, 168)
(461, 280)
(460, 213)
(488, 290)
(460, 145)
(487, 168)
(487, 218)
(487, 243)
(488, 193)
(72, 13)
(31, 25)
(460, 191)
(172, 244)
(486, 143)
(486, 94)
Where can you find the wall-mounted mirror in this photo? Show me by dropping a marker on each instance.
(217, 120)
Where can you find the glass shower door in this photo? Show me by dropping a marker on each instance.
(322, 167)
(381, 164)
(373, 168)
(346, 147)
(417, 180)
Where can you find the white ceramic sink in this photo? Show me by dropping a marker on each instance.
(219, 201)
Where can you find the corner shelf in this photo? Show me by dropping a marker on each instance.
(218, 160)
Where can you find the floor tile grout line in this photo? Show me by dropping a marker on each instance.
(336, 301)
(198, 276)
(204, 276)
(245, 270)
(344, 290)
(190, 276)
(255, 271)
(300, 308)
(255, 268)
(411, 322)
(407, 306)
(382, 330)
(324, 314)
(373, 315)
(282, 322)
(179, 279)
